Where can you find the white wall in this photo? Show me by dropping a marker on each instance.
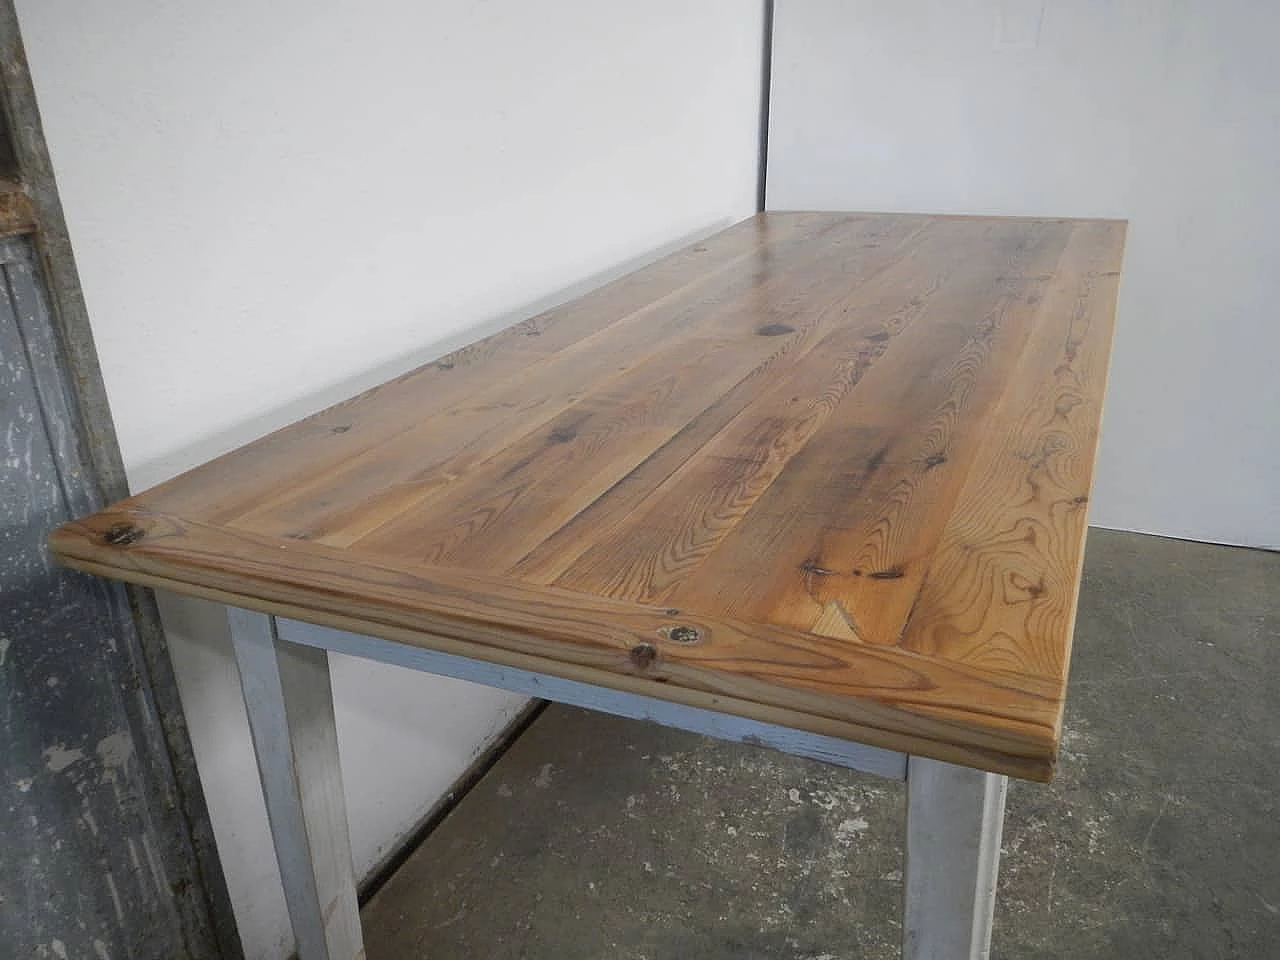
(273, 204)
(1165, 112)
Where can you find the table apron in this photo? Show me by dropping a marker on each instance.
(844, 753)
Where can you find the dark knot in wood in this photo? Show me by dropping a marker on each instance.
(684, 634)
(893, 573)
(643, 655)
(123, 534)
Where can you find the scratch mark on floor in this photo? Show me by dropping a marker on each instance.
(1146, 840)
(1053, 875)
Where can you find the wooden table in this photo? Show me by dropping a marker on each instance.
(819, 482)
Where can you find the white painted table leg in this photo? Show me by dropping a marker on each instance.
(290, 703)
(955, 816)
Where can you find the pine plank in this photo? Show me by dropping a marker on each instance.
(824, 471)
(669, 539)
(848, 536)
(603, 518)
(1001, 586)
(508, 505)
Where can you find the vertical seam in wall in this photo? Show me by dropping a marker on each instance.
(766, 83)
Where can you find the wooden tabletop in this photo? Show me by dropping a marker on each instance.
(824, 470)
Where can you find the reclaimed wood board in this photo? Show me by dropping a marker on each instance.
(824, 470)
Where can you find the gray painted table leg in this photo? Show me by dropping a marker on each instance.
(290, 702)
(955, 816)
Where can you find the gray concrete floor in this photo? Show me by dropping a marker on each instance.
(603, 839)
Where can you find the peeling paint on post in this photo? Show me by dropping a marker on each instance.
(96, 859)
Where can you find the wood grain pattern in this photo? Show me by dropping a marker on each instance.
(827, 471)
